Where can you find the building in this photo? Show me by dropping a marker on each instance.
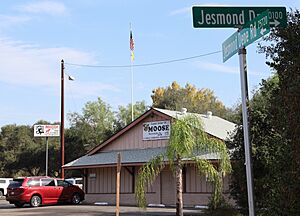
(138, 142)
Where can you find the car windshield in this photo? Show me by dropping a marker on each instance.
(16, 183)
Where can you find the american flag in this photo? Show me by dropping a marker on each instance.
(131, 46)
(131, 42)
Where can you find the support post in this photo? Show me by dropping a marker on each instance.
(118, 184)
(62, 130)
(47, 156)
(247, 145)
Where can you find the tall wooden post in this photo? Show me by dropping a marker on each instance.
(62, 122)
(118, 184)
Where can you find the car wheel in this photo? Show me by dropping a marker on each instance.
(75, 199)
(1, 193)
(19, 205)
(35, 201)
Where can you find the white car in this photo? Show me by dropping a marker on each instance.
(75, 181)
(4, 182)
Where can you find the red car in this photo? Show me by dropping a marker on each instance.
(42, 190)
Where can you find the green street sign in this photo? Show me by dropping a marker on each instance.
(230, 47)
(255, 29)
(227, 17)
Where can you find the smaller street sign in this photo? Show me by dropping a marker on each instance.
(230, 47)
(255, 29)
(46, 130)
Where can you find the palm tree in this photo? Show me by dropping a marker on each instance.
(187, 140)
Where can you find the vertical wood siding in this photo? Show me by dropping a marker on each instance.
(105, 181)
(133, 138)
(103, 187)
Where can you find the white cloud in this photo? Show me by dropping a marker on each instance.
(27, 64)
(24, 64)
(188, 10)
(7, 20)
(45, 7)
(81, 89)
(185, 10)
(208, 66)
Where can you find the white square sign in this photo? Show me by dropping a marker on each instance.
(46, 130)
(156, 130)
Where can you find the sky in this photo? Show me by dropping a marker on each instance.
(35, 35)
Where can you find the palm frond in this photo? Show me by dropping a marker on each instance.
(147, 176)
(207, 168)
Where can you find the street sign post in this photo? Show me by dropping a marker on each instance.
(254, 30)
(253, 23)
(228, 17)
(46, 131)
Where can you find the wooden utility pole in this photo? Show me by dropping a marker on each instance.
(62, 122)
(118, 184)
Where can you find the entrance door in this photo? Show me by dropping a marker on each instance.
(168, 188)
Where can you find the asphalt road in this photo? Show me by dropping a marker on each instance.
(87, 210)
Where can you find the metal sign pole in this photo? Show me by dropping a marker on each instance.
(47, 156)
(244, 88)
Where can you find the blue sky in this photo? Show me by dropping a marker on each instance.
(36, 35)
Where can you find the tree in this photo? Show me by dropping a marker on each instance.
(94, 125)
(174, 97)
(283, 51)
(186, 140)
(274, 129)
(123, 116)
(265, 141)
(23, 154)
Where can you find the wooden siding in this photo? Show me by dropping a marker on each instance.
(105, 181)
(133, 139)
(102, 188)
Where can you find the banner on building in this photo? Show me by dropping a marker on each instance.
(156, 130)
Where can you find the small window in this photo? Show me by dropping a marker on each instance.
(45, 182)
(16, 183)
(48, 182)
(72, 181)
(2, 181)
(79, 181)
(33, 182)
(63, 183)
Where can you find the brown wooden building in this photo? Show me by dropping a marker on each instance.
(138, 142)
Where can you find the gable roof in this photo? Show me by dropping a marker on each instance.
(213, 125)
(151, 111)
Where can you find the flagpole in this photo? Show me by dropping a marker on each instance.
(131, 69)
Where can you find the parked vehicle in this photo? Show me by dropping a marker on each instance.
(41, 191)
(4, 182)
(75, 181)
